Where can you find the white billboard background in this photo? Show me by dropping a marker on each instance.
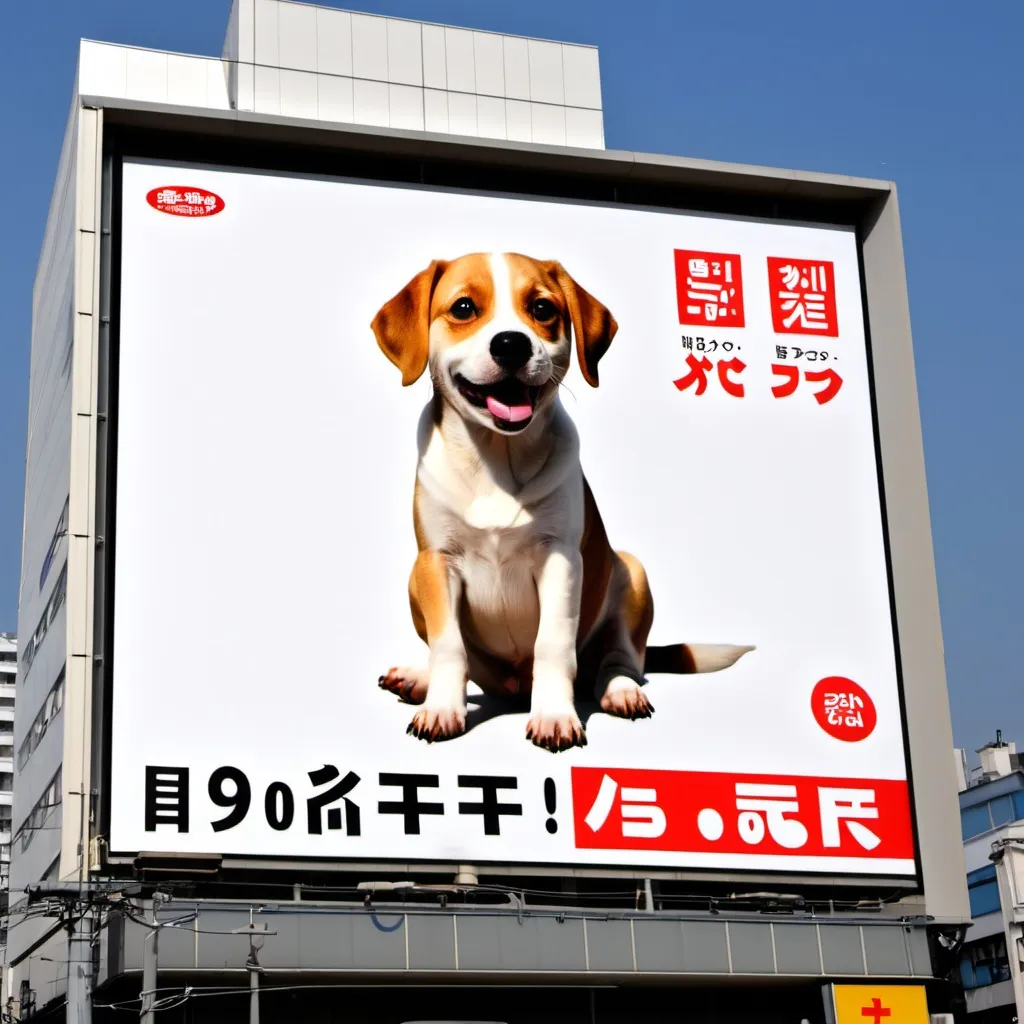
(265, 465)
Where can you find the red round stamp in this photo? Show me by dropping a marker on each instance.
(844, 709)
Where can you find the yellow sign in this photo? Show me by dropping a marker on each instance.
(880, 1004)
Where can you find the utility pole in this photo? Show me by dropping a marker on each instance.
(257, 934)
(150, 946)
(79, 968)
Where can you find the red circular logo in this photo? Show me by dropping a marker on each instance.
(843, 709)
(185, 201)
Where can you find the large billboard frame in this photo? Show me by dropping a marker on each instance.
(280, 144)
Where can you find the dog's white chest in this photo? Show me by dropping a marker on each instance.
(494, 511)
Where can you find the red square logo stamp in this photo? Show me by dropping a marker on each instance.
(803, 296)
(709, 287)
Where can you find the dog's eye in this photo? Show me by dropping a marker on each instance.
(463, 309)
(544, 311)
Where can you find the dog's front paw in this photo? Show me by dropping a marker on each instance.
(625, 697)
(408, 684)
(556, 730)
(432, 724)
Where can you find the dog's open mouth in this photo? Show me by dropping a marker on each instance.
(510, 402)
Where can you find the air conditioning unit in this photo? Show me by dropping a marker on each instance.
(942, 1018)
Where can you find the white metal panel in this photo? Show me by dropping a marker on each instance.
(518, 121)
(490, 116)
(245, 97)
(584, 128)
(102, 70)
(246, 27)
(406, 107)
(517, 68)
(489, 60)
(546, 72)
(297, 32)
(435, 111)
(266, 48)
(217, 96)
(581, 75)
(370, 48)
(188, 80)
(333, 42)
(405, 52)
(334, 98)
(147, 76)
(435, 75)
(370, 103)
(460, 60)
(461, 114)
(299, 94)
(267, 90)
(548, 124)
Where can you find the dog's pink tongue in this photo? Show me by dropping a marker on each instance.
(509, 413)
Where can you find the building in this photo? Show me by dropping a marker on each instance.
(992, 823)
(8, 689)
(317, 97)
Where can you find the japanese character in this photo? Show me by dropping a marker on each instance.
(316, 803)
(805, 302)
(410, 806)
(698, 374)
(826, 394)
(709, 288)
(792, 373)
(780, 352)
(727, 346)
(489, 806)
(687, 342)
(761, 805)
(166, 797)
(642, 818)
(836, 805)
(168, 195)
(725, 367)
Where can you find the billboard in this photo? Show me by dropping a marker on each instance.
(483, 528)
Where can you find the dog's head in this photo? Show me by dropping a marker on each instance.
(496, 331)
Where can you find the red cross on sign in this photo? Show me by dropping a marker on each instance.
(876, 1011)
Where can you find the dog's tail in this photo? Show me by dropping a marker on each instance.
(685, 659)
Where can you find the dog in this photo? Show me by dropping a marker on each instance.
(515, 586)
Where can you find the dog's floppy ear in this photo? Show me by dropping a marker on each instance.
(402, 326)
(592, 323)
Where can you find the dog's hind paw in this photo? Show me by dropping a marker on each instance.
(408, 684)
(625, 698)
(556, 731)
(432, 724)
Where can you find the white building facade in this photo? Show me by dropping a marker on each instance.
(992, 823)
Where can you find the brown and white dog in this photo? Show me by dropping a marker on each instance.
(515, 586)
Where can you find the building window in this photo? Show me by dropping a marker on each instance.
(6, 727)
(6, 751)
(1000, 810)
(983, 891)
(984, 963)
(6, 702)
(50, 799)
(6, 782)
(53, 702)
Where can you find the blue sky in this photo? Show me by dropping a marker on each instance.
(924, 92)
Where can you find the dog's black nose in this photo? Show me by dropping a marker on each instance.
(511, 349)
